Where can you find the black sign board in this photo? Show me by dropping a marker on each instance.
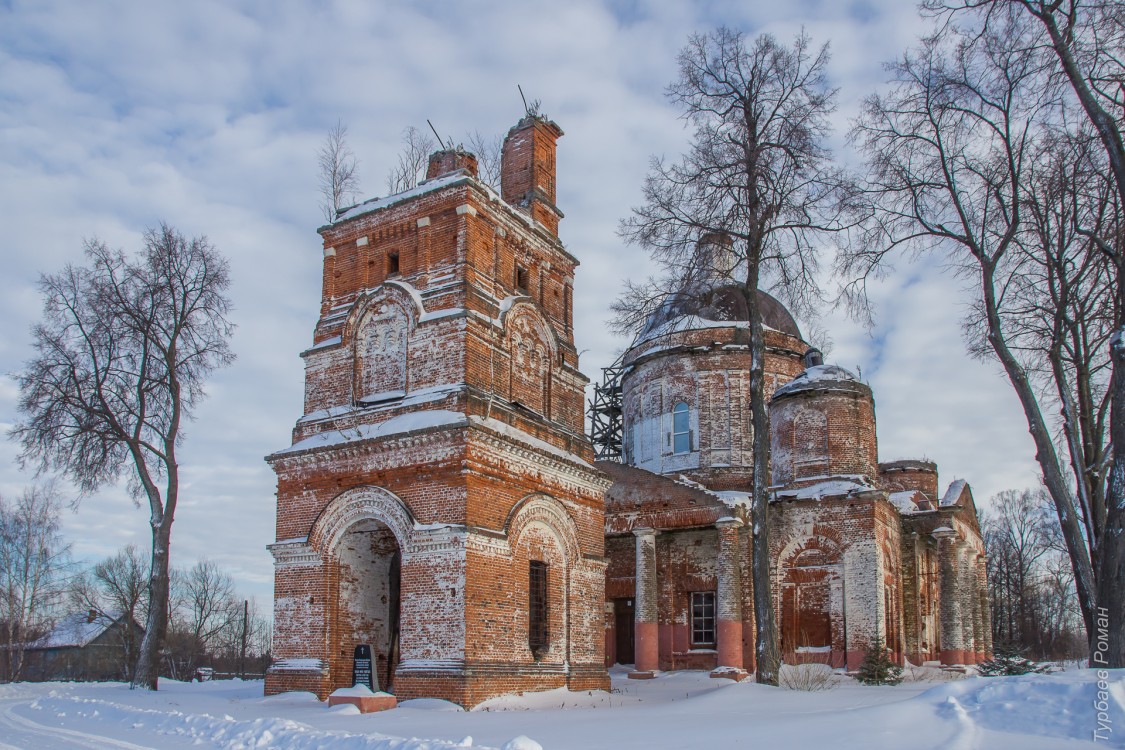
(362, 672)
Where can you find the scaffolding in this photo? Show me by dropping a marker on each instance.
(605, 414)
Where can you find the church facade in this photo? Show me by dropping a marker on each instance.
(861, 551)
(440, 501)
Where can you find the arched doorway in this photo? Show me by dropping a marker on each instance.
(809, 573)
(368, 595)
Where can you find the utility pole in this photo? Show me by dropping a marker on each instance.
(245, 633)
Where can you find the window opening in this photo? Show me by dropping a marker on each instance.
(703, 618)
(538, 635)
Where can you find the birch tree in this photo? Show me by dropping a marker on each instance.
(336, 162)
(33, 558)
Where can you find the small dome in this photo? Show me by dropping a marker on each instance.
(822, 377)
(720, 304)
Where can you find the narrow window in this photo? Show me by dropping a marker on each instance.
(681, 432)
(538, 635)
(703, 619)
(392, 264)
(521, 279)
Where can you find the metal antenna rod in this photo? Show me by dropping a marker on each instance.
(525, 107)
(441, 142)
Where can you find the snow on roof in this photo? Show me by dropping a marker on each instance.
(815, 376)
(418, 420)
(904, 501)
(76, 630)
(375, 204)
(829, 488)
(953, 494)
(734, 498)
(513, 432)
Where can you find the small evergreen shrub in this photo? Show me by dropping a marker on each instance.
(877, 668)
(1008, 660)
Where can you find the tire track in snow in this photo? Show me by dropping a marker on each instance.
(85, 741)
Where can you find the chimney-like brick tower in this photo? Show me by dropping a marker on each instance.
(527, 169)
(449, 161)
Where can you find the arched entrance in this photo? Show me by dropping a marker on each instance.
(363, 535)
(810, 577)
(368, 596)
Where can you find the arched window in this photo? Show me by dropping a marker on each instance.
(681, 429)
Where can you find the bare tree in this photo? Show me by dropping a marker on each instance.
(339, 183)
(487, 150)
(1085, 40)
(121, 356)
(1030, 584)
(33, 558)
(116, 588)
(759, 176)
(205, 612)
(412, 160)
(975, 152)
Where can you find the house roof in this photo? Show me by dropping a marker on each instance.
(75, 630)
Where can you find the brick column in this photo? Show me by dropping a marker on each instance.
(646, 633)
(728, 604)
(952, 634)
(967, 591)
(985, 605)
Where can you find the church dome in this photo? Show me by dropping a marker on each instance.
(720, 304)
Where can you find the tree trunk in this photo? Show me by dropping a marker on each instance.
(1045, 453)
(1110, 560)
(767, 652)
(1108, 643)
(148, 660)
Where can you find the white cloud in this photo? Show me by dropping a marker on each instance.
(116, 115)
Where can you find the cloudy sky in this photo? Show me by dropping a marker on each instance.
(115, 116)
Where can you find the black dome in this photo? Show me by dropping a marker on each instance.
(722, 303)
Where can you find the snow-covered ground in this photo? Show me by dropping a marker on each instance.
(676, 710)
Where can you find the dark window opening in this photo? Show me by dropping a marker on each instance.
(392, 264)
(703, 619)
(521, 279)
(538, 634)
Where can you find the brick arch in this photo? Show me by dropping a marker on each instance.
(397, 292)
(358, 504)
(822, 540)
(546, 512)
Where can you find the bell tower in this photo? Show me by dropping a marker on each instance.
(438, 501)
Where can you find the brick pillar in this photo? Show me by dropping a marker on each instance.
(967, 588)
(979, 605)
(728, 603)
(646, 633)
(952, 634)
(985, 605)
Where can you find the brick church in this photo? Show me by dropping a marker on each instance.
(441, 503)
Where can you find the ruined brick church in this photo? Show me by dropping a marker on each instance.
(441, 503)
